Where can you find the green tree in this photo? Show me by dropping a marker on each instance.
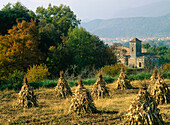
(55, 22)
(58, 59)
(146, 46)
(86, 49)
(12, 12)
(162, 51)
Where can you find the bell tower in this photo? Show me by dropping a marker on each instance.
(135, 51)
(135, 47)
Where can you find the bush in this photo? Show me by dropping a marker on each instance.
(166, 67)
(166, 75)
(37, 73)
(111, 70)
(140, 76)
(15, 79)
(3, 84)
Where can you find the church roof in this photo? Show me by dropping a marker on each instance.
(148, 55)
(135, 40)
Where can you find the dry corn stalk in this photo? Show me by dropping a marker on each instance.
(99, 88)
(26, 97)
(123, 82)
(143, 111)
(153, 79)
(63, 89)
(160, 91)
(82, 101)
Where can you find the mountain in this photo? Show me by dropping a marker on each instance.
(130, 27)
(150, 10)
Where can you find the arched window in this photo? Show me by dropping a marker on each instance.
(140, 64)
(132, 49)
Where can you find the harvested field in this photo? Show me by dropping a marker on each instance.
(111, 110)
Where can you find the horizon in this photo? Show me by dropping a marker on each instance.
(88, 10)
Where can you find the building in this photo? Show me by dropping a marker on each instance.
(135, 56)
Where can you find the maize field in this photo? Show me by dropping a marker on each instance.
(82, 101)
(100, 90)
(143, 111)
(63, 89)
(26, 97)
(160, 91)
(123, 82)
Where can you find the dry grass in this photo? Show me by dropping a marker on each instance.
(52, 110)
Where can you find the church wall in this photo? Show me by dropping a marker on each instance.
(140, 62)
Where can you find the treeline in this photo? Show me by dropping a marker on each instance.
(162, 51)
(50, 37)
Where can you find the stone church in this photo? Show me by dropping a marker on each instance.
(135, 56)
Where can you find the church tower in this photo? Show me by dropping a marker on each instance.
(135, 47)
(135, 51)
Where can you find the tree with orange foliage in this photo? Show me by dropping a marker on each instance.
(19, 48)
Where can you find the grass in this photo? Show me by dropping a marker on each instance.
(6, 84)
(52, 110)
(53, 83)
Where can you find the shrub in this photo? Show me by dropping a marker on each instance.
(166, 67)
(166, 75)
(111, 70)
(15, 79)
(140, 76)
(37, 73)
(3, 84)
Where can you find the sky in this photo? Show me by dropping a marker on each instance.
(87, 9)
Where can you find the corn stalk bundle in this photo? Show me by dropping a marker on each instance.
(143, 111)
(26, 97)
(153, 79)
(123, 82)
(82, 101)
(63, 89)
(99, 88)
(160, 91)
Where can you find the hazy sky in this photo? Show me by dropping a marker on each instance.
(86, 9)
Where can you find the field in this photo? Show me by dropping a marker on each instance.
(54, 111)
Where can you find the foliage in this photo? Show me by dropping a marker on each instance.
(16, 79)
(37, 73)
(162, 51)
(139, 76)
(12, 12)
(55, 22)
(146, 46)
(58, 59)
(53, 83)
(111, 70)
(19, 48)
(166, 67)
(87, 50)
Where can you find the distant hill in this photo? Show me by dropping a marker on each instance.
(150, 10)
(130, 27)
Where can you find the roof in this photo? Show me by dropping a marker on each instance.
(123, 48)
(135, 40)
(148, 55)
(127, 49)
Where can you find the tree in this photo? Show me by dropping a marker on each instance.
(55, 23)
(58, 59)
(19, 49)
(86, 49)
(146, 46)
(12, 12)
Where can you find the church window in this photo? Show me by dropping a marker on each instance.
(132, 49)
(140, 64)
